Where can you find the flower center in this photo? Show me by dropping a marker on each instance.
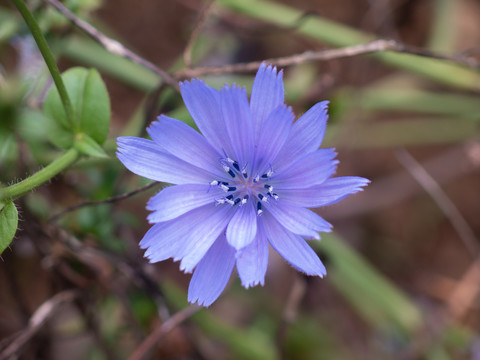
(243, 187)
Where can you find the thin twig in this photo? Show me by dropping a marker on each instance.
(290, 313)
(187, 53)
(105, 201)
(330, 54)
(162, 330)
(112, 45)
(41, 315)
(465, 292)
(459, 223)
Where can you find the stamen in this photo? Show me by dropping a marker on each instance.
(237, 200)
(228, 170)
(232, 188)
(220, 201)
(245, 199)
(229, 200)
(262, 198)
(259, 208)
(233, 162)
(268, 187)
(275, 196)
(268, 174)
(224, 187)
(214, 183)
(256, 179)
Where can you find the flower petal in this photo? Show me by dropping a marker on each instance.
(182, 141)
(243, 227)
(203, 236)
(272, 137)
(203, 103)
(145, 158)
(310, 170)
(267, 94)
(162, 241)
(239, 122)
(212, 273)
(298, 220)
(174, 201)
(294, 249)
(187, 237)
(327, 193)
(252, 260)
(306, 135)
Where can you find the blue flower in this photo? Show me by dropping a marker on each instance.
(245, 182)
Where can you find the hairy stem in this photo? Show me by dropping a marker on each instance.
(14, 191)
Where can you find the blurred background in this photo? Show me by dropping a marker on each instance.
(403, 263)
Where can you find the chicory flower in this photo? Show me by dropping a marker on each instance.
(244, 183)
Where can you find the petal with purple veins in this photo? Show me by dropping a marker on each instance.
(203, 104)
(327, 193)
(145, 158)
(294, 249)
(175, 201)
(243, 227)
(267, 94)
(212, 273)
(310, 170)
(252, 260)
(272, 137)
(298, 220)
(239, 122)
(180, 140)
(306, 135)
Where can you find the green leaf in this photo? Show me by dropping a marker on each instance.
(87, 146)
(8, 224)
(91, 107)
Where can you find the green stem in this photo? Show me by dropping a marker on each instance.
(49, 59)
(14, 191)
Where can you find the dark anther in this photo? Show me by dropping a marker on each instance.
(235, 165)
(259, 208)
(232, 188)
(229, 197)
(237, 200)
(231, 173)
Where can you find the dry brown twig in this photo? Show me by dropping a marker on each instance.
(374, 46)
(41, 315)
(380, 45)
(467, 289)
(105, 201)
(147, 345)
(187, 53)
(461, 226)
(112, 45)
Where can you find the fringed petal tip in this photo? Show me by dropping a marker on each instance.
(212, 273)
(249, 284)
(270, 68)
